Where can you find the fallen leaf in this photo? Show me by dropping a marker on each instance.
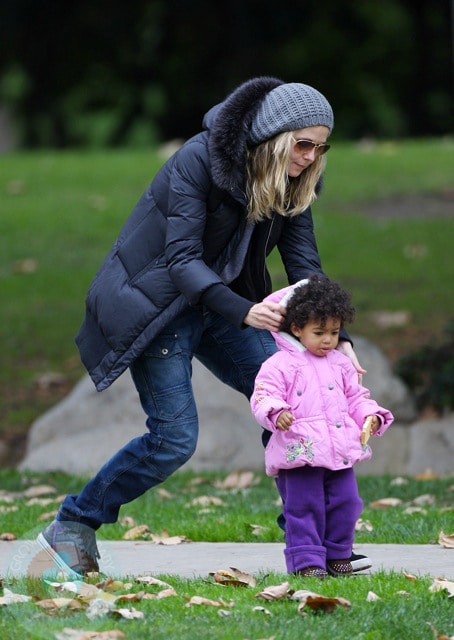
(409, 576)
(234, 577)
(372, 597)
(12, 598)
(441, 584)
(238, 480)
(258, 529)
(199, 600)
(38, 490)
(398, 482)
(164, 494)
(425, 499)
(439, 636)
(403, 593)
(317, 602)
(49, 515)
(384, 503)
(129, 614)
(127, 521)
(205, 501)
(262, 610)
(363, 525)
(409, 511)
(275, 592)
(223, 613)
(151, 581)
(79, 634)
(55, 604)
(27, 265)
(4, 509)
(164, 538)
(446, 540)
(428, 474)
(7, 537)
(136, 532)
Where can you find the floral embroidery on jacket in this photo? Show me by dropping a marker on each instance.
(302, 447)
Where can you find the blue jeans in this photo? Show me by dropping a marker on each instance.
(162, 376)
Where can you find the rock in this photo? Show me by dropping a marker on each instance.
(80, 433)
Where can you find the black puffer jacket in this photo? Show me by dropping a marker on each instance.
(179, 245)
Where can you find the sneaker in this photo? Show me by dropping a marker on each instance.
(71, 545)
(339, 567)
(359, 562)
(312, 572)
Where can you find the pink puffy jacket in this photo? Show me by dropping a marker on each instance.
(328, 403)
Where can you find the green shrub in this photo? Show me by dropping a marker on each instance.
(429, 372)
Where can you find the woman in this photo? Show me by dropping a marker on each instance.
(187, 277)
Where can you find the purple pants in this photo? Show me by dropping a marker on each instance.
(321, 508)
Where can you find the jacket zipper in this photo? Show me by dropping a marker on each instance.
(265, 248)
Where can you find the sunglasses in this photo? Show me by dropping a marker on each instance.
(308, 145)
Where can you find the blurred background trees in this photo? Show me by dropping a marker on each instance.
(109, 72)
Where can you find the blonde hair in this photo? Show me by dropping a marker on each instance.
(269, 188)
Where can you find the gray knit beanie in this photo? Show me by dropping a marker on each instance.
(288, 107)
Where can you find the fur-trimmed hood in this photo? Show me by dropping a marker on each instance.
(229, 123)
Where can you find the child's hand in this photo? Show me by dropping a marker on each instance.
(375, 425)
(284, 420)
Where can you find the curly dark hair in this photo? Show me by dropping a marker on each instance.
(320, 299)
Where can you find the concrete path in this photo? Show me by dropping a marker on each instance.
(198, 559)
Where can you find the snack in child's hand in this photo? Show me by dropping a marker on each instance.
(366, 431)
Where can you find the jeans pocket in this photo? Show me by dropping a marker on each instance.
(162, 375)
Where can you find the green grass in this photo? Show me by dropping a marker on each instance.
(232, 520)
(393, 617)
(63, 210)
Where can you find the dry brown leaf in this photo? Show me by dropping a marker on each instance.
(7, 537)
(205, 501)
(428, 474)
(199, 600)
(258, 529)
(275, 592)
(164, 538)
(262, 610)
(4, 509)
(317, 602)
(136, 532)
(403, 593)
(372, 597)
(12, 598)
(439, 636)
(55, 604)
(363, 525)
(38, 490)
(49, 515)
(233, 578)
(128, 522)
(164, 494)
(223, 613)
(409, 576)
(238, 480)
(442, 584)
(409, 511)
(151, 581)
(78, 634)
(424, 500)
(27, 265)
(384, 503)
(129, 614)
(398, 482)
(446, 540)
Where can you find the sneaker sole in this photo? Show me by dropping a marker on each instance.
(360, 565)
(57, 559)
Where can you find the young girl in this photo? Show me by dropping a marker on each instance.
(308, 395)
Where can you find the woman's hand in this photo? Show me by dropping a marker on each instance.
(346, 348)
(265, 315)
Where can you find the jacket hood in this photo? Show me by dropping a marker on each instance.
(229, 123)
